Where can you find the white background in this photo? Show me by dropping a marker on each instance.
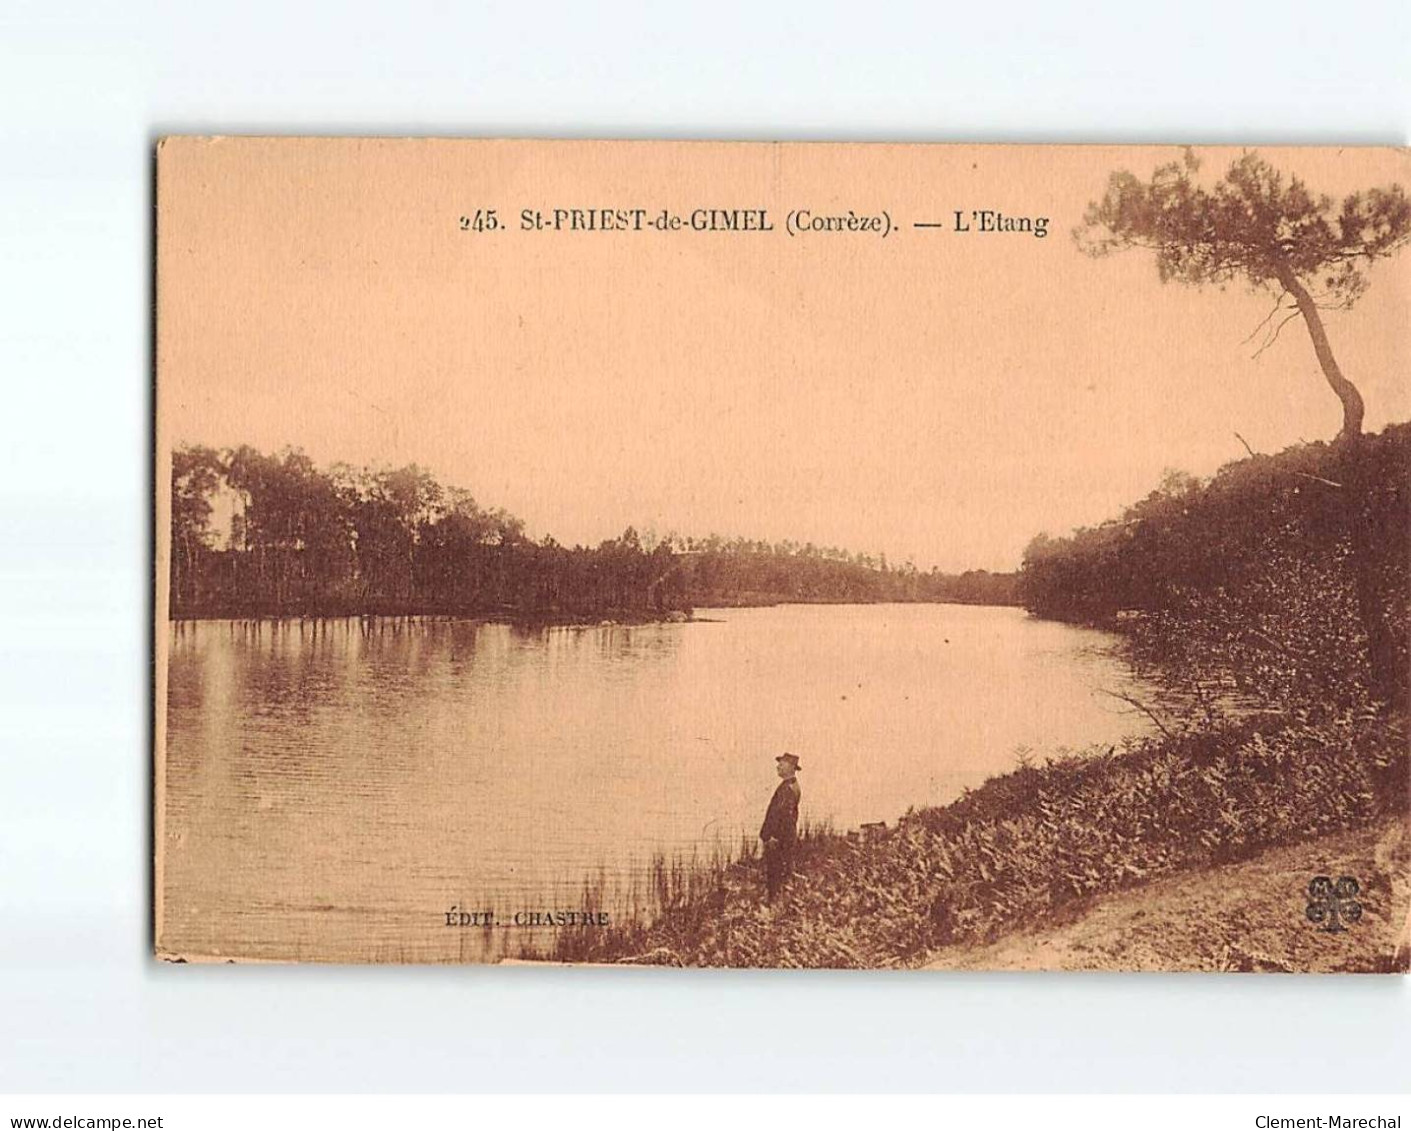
(84, 89)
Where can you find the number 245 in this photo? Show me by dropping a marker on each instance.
(483, 220)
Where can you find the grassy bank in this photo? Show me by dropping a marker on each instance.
(1270, 604)
(1020, 849)
(1246, 916)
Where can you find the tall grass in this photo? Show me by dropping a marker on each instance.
(687, 890)
(1009, 854)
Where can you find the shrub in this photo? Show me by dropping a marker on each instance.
(1009, 854)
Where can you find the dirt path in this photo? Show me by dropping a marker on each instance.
(1245, 916)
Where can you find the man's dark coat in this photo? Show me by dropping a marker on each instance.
(781, 820)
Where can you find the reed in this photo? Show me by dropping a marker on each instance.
(1007, 855)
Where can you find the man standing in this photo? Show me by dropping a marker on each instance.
(780, 828)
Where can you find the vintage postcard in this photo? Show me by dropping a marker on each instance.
(783, 555)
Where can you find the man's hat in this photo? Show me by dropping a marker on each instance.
(792, 759)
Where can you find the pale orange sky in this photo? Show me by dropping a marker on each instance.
(935, 396)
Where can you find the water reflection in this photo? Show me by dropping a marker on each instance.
(327, 779)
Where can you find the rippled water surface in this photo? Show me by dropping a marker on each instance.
(333, 787)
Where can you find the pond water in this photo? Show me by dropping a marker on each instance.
(334, 787)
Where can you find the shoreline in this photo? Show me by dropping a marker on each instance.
(608, 618)
(607, 621)
(1024, 851)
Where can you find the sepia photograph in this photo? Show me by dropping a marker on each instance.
(783, 555)
(706, 565)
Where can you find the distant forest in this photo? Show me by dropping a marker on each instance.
(294, 540)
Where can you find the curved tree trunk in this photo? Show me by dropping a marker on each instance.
(1352, 406)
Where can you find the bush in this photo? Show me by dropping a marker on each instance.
(1259, 578)
(1006, 856)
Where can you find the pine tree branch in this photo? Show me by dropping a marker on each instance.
(1278, 305)
(1300, 474)
(1140, 706)
(1273, 336)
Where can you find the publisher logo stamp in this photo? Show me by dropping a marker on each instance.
(1333, 904)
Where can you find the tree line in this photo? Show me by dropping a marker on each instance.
(296, 540)
(1279, 574)
(1256, 578)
